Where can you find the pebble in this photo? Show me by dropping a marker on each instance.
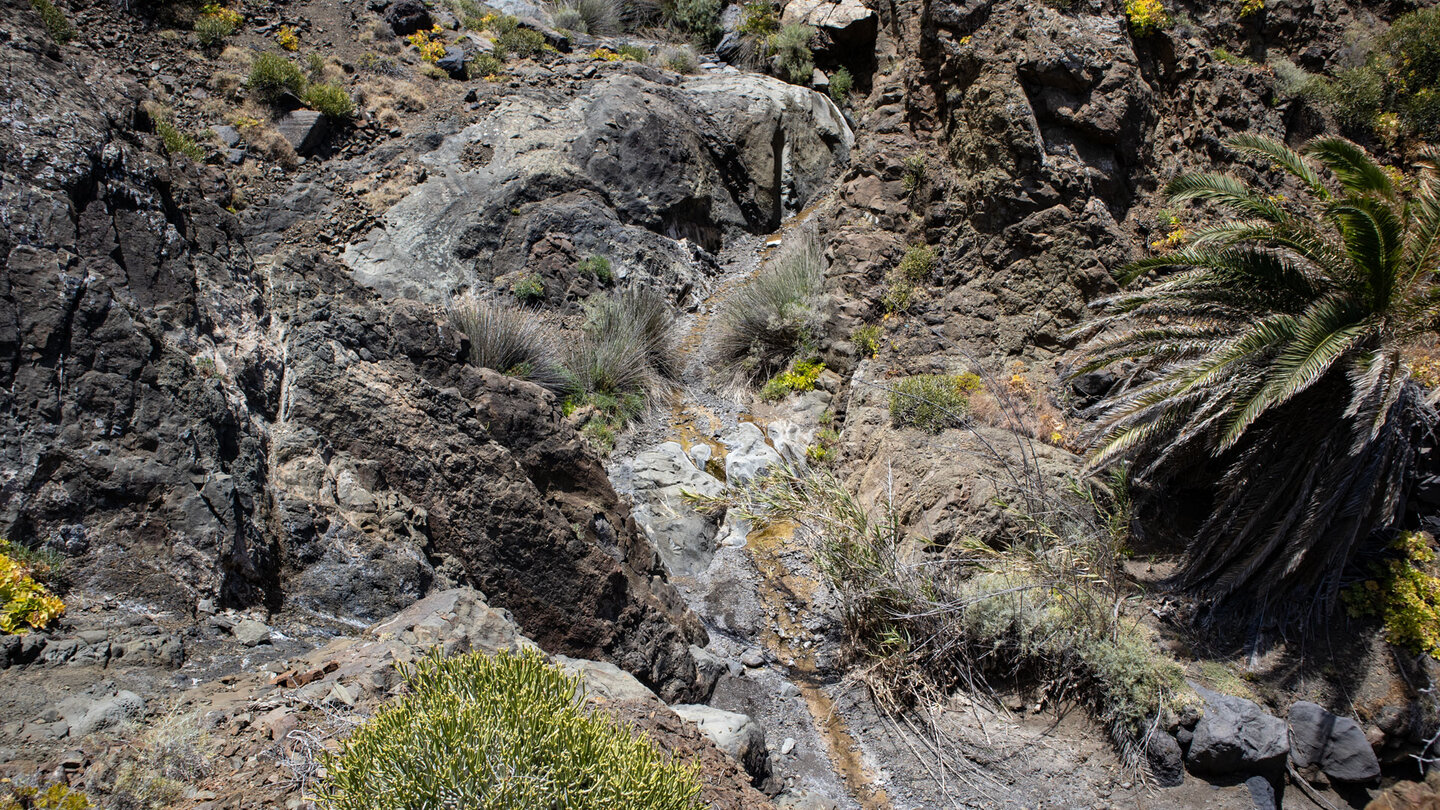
(787, 746)
(753, 659)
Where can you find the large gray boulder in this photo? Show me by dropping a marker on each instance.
(735, 734)
(1236, 736)
(1337, 745)
(657, 481)
(641, 168)
(748, 453)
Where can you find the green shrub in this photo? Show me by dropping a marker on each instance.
(1405, 593)
(759, 19)
(899, 294)
(800, 378)
(867, 339)
(778, 312)
(510, 341)
(177, 142)
(521, 43)
(329, 99)
(57, 796)
(528, 289)
(1412, 46)
(272, 76)
(792, 44)
(840, 85)
(497, 733)
(698, 18)
(932, 402)
(483, 66)
(212, 30)
(56, 25)
(1356, 96)
(597, 266)
(634, 53)
(917, 263)
(314, 67)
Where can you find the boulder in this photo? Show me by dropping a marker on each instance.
(748, 455)
(109, 713)
(304, 130)
(735, 734)
(405, 17)
(251, 633)
(1262, 793)
(1337, 745)
(656, 482)
(453, 62)
(847, 27)
(1235, 736)
(1167, 760)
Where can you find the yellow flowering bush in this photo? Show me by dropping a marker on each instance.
(25, 604)
(288, 39)
(1251, 7)
(800, 378)
(429, 44)
(1146, 16)
(55, 797)
(1405, 594)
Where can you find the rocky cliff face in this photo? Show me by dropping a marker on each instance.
(191, 427)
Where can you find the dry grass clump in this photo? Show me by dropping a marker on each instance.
(157, 769)
(778, 313)
(511, 341)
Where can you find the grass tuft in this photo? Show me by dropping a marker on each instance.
(778, 313)
(511, 341)
(932, 402)
(272, 75)
(54, 20)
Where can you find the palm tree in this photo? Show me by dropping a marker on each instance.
(1267, 357)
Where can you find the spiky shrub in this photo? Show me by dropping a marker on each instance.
(511, 341)
(495, 733)
(54, 20)
(840, 84)
(331, 100)
(272, 76)
(1267, 368)
(932, 402)
(791, 44)
(778, 312)
(594, 17)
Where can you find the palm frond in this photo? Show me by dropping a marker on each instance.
(1357, 172)
(1226, 191)
(1282, 156)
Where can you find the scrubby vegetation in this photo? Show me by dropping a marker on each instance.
(867, 339)
(932, 402)
(177, 142)
(54, 20)
(25, 603)
(1046, 607)
(914, 175)
(700, 19)
(593, 17)
(510, 341)
(1404, 593)
(1272, 346)
(1398, 85)
(521, 43)
(681, 59)
(625, 356)
(329, 99)
(528, 288)
(801, 377)
(493, 733)
(272, 75)
(58, 796)
(840, 83)
(791, 44)
(215, 24)
(917, 263)
(778, 312)
(160, 767)
(597, 266)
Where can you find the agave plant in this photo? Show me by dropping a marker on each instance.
(1268, 355)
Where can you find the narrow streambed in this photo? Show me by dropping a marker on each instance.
(757, 595)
